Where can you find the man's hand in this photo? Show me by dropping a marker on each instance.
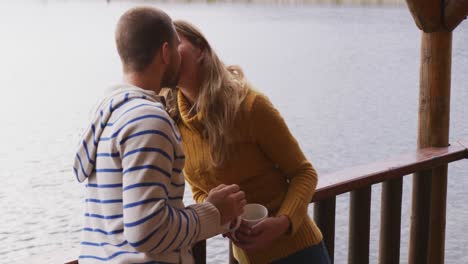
(229, 200)
(261, 235)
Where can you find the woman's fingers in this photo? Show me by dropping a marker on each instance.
(244, 228)
(231, 237)
(244, 239)
(244, 232)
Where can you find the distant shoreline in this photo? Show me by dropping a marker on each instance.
(325, 2)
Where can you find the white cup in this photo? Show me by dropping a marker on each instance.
(253, 214)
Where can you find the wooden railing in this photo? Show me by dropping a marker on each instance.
(358, 181)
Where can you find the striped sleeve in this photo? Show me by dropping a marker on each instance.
(146, 142)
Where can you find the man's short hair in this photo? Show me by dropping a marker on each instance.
(140, 34)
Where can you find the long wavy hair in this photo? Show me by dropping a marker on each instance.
(222, 91)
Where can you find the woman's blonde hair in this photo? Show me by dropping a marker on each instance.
(222, 90)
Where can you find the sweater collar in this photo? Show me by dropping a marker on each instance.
(194, 122)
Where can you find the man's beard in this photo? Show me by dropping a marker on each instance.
(170, 78)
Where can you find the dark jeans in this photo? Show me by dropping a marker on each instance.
(317, 254)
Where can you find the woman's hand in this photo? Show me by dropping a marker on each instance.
(261, 235)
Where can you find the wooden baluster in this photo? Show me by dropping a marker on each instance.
(359, 226)
(390, 222)
(324, 216)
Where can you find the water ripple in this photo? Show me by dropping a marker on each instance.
(344, 110)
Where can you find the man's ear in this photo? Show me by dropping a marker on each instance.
(165, 52)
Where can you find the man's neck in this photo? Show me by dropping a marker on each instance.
(144, 81)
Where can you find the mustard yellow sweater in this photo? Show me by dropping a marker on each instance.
(268, 165)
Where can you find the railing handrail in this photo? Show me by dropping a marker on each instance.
(354, 178)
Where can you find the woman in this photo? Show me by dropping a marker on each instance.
(233, 134)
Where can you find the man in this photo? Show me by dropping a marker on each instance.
(132, 159)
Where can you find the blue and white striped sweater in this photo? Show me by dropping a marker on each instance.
(132, 159)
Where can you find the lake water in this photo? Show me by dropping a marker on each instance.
(345, 79)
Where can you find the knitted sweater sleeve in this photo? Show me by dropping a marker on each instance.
(275, 140)
(197, 193)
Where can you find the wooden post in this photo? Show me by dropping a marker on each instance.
(359, 226)
(426, 14)
(430, 188)
(324, 216)
(390, 222)
(438, 15)
(454, 13)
